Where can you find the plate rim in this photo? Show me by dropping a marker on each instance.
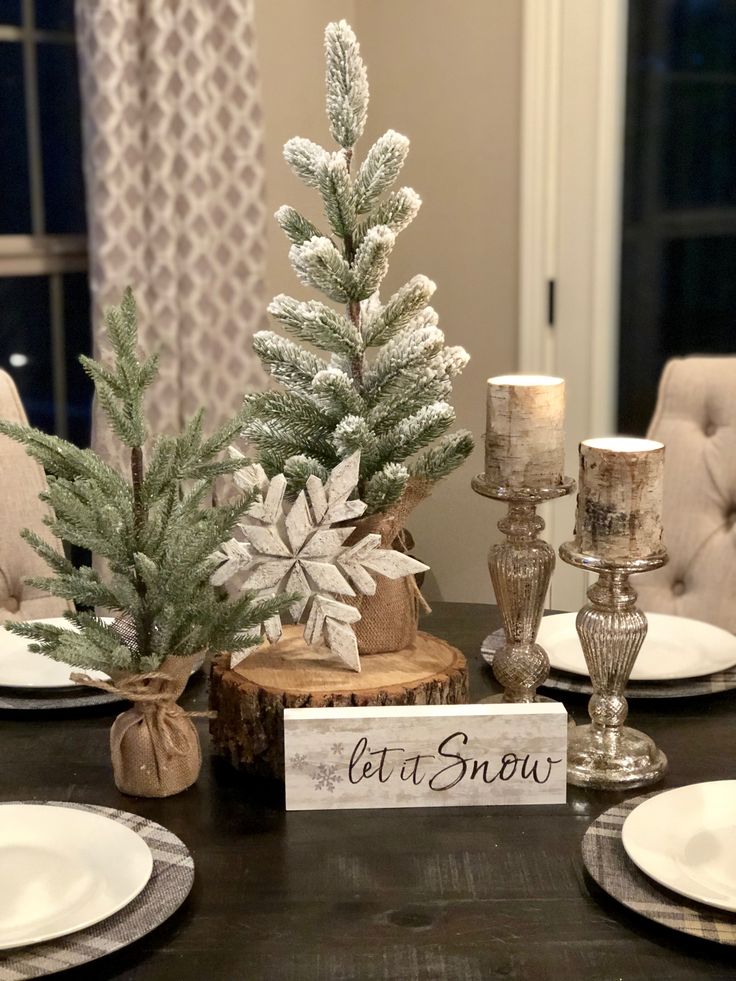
(146, 852)
(649, 680)
(54, 690)
(649, 804)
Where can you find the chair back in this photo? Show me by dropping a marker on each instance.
(695, 418)
(21, 481)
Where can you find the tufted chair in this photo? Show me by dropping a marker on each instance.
(21, 480)
(695, 418)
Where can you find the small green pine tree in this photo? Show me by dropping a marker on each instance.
(385, 388)
(157, 531)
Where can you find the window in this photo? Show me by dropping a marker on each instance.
(44, 297)
(678, 290)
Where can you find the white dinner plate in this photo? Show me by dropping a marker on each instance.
(63, 869)
(674, 647)
(21, 668)
(685, 839)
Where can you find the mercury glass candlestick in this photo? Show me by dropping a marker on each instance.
(524, 467)
(521, 569)
(618, 532)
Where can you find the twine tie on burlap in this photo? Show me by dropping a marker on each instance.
(135, 689)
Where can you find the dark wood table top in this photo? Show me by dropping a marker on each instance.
(436, 893)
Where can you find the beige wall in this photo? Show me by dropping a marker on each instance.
(448, 75)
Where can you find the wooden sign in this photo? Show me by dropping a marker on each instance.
(425, 756)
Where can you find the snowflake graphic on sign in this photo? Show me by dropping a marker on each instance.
(300, 548)
(326, 776)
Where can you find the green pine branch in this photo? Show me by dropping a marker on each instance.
(156, 527)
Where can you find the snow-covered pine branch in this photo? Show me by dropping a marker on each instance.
(371, 261)
(405, 304)
(297, 228)
(420, 386)
(415, 432)
(451, 361)
(352, 433)
(337, 194)
(287, 362)
(380, 169)
(385, 388)
(293, 409)
(408, 349)
(317, 263)
(440, 460)
(397, 210)
(305, 158)
(298, 469)
(386, 486)
(315, 322)
(335, 390)
(346, 81)
(282, 440)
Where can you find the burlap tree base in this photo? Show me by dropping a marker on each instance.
(250, 699)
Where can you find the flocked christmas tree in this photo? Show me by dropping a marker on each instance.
(385, 384)
(156, 530)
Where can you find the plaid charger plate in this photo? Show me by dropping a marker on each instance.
(168, 887)
(611, 868)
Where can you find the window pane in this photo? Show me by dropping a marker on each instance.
(15, 201)
(699, 103)
(78, 341)
(678, 274)
(25, 344)
(55, 15)
(9, 11)
(699, 292)
(697, 161)
(703, 35)
(61, 139)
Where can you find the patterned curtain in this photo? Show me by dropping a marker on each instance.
(175, 192)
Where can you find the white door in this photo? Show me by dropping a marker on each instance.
(574, 64)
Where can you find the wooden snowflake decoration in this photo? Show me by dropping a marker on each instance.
(300, 548)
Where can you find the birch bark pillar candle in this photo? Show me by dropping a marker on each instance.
(524, 466)
(525, 431)
(618, 531)
(620, 498)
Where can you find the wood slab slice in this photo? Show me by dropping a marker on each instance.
(250, 699)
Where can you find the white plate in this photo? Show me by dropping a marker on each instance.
(21, 668)
(685, 839)
(674, 647)
(64, 869)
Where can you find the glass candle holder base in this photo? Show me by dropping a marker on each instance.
(613, 759)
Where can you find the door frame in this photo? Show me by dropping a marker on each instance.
(572, 128)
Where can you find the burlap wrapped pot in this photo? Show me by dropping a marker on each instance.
(389, 618)
(154, 746)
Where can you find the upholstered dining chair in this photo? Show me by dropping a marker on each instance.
(695, 418)
(21, 481)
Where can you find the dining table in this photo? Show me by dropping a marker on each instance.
(407, 894)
